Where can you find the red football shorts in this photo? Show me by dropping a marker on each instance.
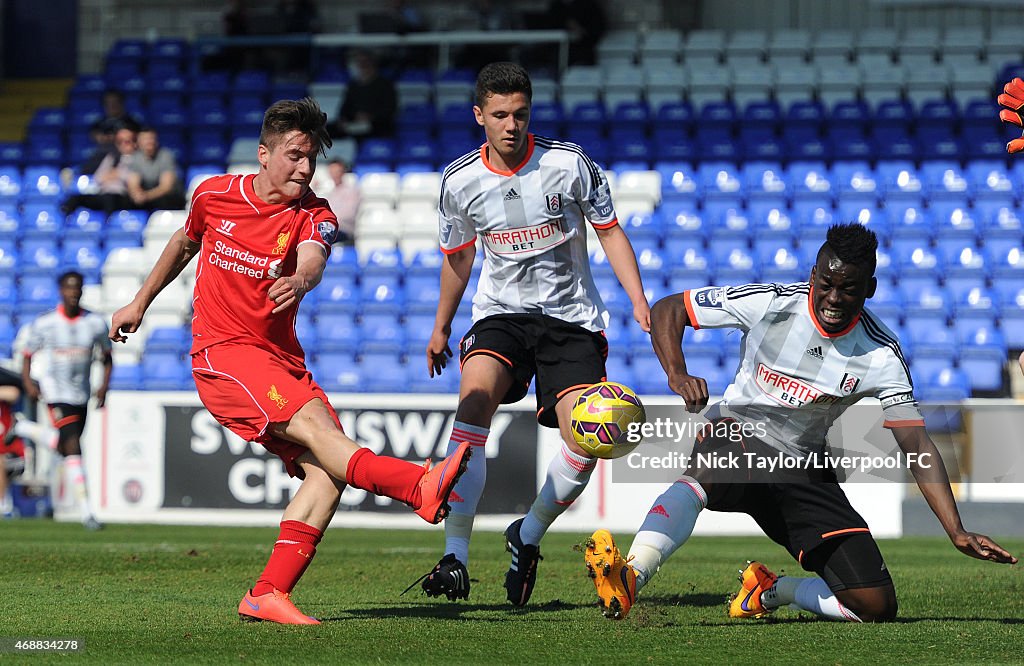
(247, 389)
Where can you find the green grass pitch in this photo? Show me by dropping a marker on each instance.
(168, 594)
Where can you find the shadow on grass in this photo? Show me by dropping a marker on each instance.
(453, 610)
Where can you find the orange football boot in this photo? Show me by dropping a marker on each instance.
(274, 606)
(436, 484)
(754, 580)
(614, 578)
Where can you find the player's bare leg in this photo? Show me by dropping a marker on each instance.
(485, 381)
(427, 491)
(302, 527)
(567, 477)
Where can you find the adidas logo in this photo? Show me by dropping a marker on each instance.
(453, 497)
(815, 352)
(659, 510)
(511, 195)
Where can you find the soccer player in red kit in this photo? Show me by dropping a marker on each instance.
(263, 242)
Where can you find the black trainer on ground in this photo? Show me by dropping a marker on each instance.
(449, 578)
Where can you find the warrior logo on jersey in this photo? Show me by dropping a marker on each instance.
(226, 226)
(278, 399)
(282, 242)
(849, 384)
(328, 232)
(711, 298)
(553, 201)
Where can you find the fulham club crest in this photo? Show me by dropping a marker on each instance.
(554, 202)
(849, 384)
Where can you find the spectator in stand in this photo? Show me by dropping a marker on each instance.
(153, 182)
(103, 131)
(370, 102)
(344, 199)
(111, 178)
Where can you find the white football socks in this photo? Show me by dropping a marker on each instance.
(458, 527)
(74, 483)
(667, 527)
(809, 594)
(567, 477)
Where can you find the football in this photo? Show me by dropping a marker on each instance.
(601, 418)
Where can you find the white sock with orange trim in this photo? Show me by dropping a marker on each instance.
(458, 527)
(567, 477)
(667, 526)
(74, 483)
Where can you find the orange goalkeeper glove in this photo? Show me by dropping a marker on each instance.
(1013, 99)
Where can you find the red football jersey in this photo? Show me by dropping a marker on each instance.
(247, 244)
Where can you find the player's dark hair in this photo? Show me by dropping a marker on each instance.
(67, 274)
(851, 243)
(287, 115)
(502, 78)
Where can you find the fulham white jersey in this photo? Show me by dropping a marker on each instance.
(68, 345)
(796, 378)
(530, 221)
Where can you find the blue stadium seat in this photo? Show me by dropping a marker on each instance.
(169, 339)
(894, 144)
(129, 221)
(630, 115)
(382, 332)
(39, 255)
(673, 116)
(618, 370)
(717, 147)
(644, 226)
(11, 153)
(250, 81)
(990, 179)
(850, 143)
(422, 292)
(717, 116)
(947, 385)
(851, 114)
(941, 146)
(927, 364)
(339, 371)
(983, 357)
(719, 180)
(678, 181)
(338, 293)
(810, 180)
(377, 150)
(10, 184)
(805, 114)
(771, 220)
(955, 222)
(765, 180)
(587, 116)
(999, 222)
(126, 377)
(673, 146)
(1007, 264)
(926, 338)
(944, 179)
(337, 331)
(85, 256)
(910, 223)
(894, 114)
(734, 266)
(780, 264)
(38, 289)
(9, 257)
(855, 181)
(934, 302)
(165, 371)
(938, 115)
(813, 221)
(41, 184)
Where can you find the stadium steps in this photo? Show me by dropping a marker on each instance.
(19, 99)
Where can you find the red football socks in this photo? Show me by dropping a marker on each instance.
(383, 475)
(294, 550)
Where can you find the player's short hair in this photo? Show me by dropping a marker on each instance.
(69, 274)
(287, 115)
(502, 78)
(851, 243)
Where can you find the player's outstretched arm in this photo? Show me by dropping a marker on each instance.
(930, 473)
(455, 273)
(668, 321)
(288, 291)
(177, 253)
(623, 261)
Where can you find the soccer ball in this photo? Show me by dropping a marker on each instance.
(601, 418)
